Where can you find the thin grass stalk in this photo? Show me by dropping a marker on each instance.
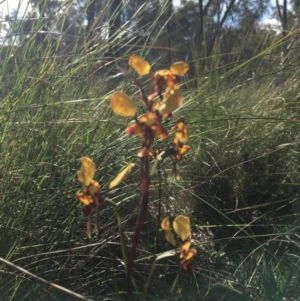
(164, 255)
(50, 284)
(175, 283)
(148, 280)
(122, 236)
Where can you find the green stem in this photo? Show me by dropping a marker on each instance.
(149, 279)
(166, 254)
(177, 279)
(121, 231)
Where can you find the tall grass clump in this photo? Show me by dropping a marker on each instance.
(54, 110)
(244, 177)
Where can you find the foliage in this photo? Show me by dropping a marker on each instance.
(238, 180)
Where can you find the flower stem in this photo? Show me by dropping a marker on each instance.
(145, 181)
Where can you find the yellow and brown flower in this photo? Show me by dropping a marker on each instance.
(181, 130)
(180, 149)
(182, 227)
(167, 77)
(186, 253)
(90, 196)
(148, 126)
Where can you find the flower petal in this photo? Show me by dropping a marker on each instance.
(163, 78)
(148, 119)
(159, 131)
(185, 249)
(135, 129)
(179, 68)
(141, 66)
(121, 176)
(122, 104)
(93, 188)
(182, 226)
(87, 172)
(183, 149)
(165, 224)
(176, 142)
(163, 73)
(85, 199)
(181, 130)
(173, 99)
(191, 253)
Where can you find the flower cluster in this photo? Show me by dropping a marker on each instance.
(160, 105)
(172, 98)
(162, 80)
(182, 227)
(165, 97)
(148, 126)
(177, 148)
(90, 196)
(181, 136)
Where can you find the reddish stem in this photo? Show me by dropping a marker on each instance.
(144, 96)
(145, 181)
(159, 203)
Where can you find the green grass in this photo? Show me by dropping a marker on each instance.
(240, 181)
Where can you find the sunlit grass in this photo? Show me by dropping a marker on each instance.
(239, 182)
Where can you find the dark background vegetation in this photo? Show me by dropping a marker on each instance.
(240, 181)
